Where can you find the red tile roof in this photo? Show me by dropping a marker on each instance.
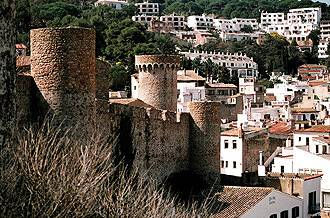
(189, 75)
(281, 128)
(231, 132)
(312, 66)
(23, 61)
(20, 46)
(237, 200)
(131, 102)
(317, 128)
(220, 85)
(270, 98)
(324, 139)
(317, 82)
(295, 175)
(303, 110)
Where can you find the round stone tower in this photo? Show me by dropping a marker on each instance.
(63, 67)
(158, 80)
(205, 138)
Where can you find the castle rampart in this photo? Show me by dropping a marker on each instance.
(158, 80)
(157, 140)
(63, 67)
(153, 140)
(205, 138)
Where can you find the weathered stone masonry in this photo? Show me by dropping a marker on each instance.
(157, 140)
(63, 67)
(158, 80)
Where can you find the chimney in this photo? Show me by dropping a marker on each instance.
(241, 131)
(261, 161)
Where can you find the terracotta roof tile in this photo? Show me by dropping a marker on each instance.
(23, 61)
(220, 85)
(270, 98)
(312, 66)
(324, 139)
(231, 132)
(131, 102)
(303, 176)
(303, 110)
(236, 201)
(317, 128)
(189, 75)
(281, 128)
(317, 82)
(21, 46)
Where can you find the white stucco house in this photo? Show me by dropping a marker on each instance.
(258, 202)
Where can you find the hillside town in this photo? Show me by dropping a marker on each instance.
(262, 141)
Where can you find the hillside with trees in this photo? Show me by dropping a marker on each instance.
(119, 39)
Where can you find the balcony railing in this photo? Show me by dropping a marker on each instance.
(314, 208)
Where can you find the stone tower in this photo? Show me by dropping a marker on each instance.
(63, 67)
(158, 80)
(205, 138)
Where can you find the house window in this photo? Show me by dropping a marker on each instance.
(316, 149)
(234, 144)
(273, 216)
(312, 207)
(299, 139)
(326, 199)
(134, 87)
(295, 212)
(234, 164)
(307, 141)
(284, 214)
(226, 144)
(222, 164)
(282, 169)
(226, 164)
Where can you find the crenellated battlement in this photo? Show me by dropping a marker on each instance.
(154, 63)
(158, 80)
(161, 141)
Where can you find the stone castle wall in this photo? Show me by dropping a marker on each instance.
(153, 140)
(158, 142)
(31, 106)
(63, 67)
(205, 137)
(158, 80)
(102, 79)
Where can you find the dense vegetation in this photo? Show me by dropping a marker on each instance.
(50, 172)
(119, 39)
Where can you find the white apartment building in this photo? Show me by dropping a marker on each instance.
(177, 22)
(238, 64)
(297, 24)
(271, 19)
(235, 24)
(233, 158)
(299, 159)
(200, 23)
(324, 38)
(304, 15)
(116, 4)
(190, 87)
(286, 92)
(144, 19)
(239, 36)
(148, 8)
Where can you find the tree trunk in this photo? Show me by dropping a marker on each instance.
(7, 70)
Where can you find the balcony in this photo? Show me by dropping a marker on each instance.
(314, 208)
